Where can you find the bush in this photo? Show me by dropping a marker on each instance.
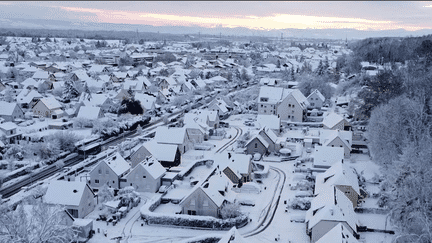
(230, 210)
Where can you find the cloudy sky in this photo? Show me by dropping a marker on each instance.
(369, 15)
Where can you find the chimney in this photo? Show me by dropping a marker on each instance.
(229, 155)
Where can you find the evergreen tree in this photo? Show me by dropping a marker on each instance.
(69, 90)
(320, 69)
(292, 73)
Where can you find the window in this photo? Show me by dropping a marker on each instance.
(113, 182)
(332, 145)
(292, 106)
(97, 181)
(100, 171)
(191, 212)
(341, 146)
(289, 116)
(192, 202)
(261, 106)
(107, 172)
(289, 105)
(131, 184)
(312, 104)
(144, 176)
(256, 145)
(205, 203)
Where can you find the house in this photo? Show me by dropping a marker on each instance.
(210, 118)
(316, 99)
(10, 111)
(123, 94)
(324, 157)
(335, 121)
(119, 76)
(148, 102)
(48, 107)
(109, 171)
(208, 199)
(336, 138)
(97, 100)
(145, 177)
(257, 144)
(77, 197)
(175, 136)
(90, 112)
(28, 98)
(167, 154)
(40, 75)
(343, 178)
(96, 69)
(9, 130)
(338, 234)
(328, 209)
(220, 106)
(263, 142)
(288, 104)
(237, 167)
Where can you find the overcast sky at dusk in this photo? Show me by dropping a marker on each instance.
(371, 15)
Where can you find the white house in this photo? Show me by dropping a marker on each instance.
(316, 99)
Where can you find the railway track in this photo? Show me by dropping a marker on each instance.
(268, 217)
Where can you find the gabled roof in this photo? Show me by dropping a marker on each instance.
(6, 108)
(147, 101)
(7, 126)
(26, 96)
(117, 163)
(40, 75)
(51, 103)
(239, 163)
(261, 139)
(89, 112)
(331, 205)
(168, 135)
(338, 174)
(273, 94)
(65, 192)
(300, 98)
(162, 152)
(335, 136)
(325, 156)
(152, 166)
(320, 96)
(338, 234)
(332, 119)
(327, 136)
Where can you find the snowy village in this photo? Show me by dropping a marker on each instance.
(211, 138)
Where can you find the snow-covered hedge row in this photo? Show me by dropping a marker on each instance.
(188, 220)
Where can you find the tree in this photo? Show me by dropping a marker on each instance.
(308, 83)
(230, 210)
(69, 89)
(131, 106)
(244, 75)
(105, 194)
(47, 39)
(65, 139)
(42, 223)
(292, 73)
(9, 94)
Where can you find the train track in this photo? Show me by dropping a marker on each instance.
(239, 132)
(268, 217)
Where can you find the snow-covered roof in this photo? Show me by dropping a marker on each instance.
(269, 121)
(40, 75)
(338, 234)
(325, 156)
(331, 205)
(301, 99)
(239, 163)
(51, 103)
(328, 136)
(95, 100)
(161, 152)
(117, 164)
(153, 167)
(339, 174)
(7, 126)
(273, 95)
(144, 80)
(147, 101)
(332, 119)
(6, 108)
(166, 135)
(89, 112)
(316, 92)
(261, 139)
(65, 192)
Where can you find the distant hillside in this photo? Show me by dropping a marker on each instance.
(388, 49)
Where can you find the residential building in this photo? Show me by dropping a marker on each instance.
(316, 99)
(10, 111)
(145, 177)
(109, 171)
(77, 197)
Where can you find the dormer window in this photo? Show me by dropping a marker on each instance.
(263, 99)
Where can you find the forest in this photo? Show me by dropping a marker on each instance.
(396, 104)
